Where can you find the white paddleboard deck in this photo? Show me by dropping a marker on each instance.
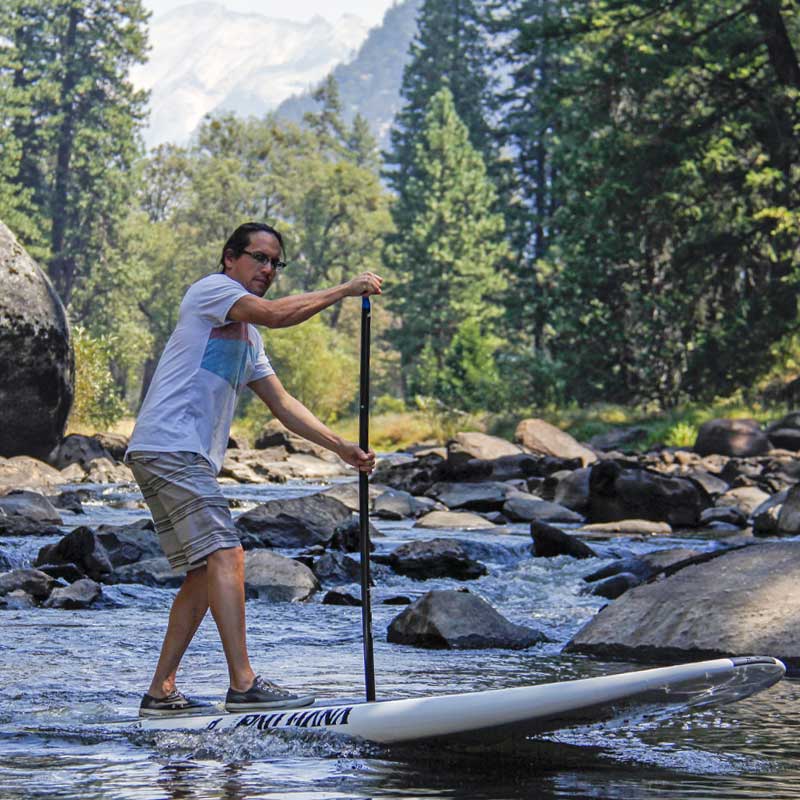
(479, 717)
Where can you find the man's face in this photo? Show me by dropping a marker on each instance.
(254, 276)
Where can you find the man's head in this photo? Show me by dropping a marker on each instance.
(252, 256)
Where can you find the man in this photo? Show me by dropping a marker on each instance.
(179, 443)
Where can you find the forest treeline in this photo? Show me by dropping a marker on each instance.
(583, 200)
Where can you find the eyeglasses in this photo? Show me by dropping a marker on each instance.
(264, 259)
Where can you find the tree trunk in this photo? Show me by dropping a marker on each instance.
(62, 266)
(782, 56)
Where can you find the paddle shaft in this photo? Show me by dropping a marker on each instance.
(363, 501)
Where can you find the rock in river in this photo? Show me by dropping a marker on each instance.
(435, 558)
(454, 520)
(277, 578)
(549, 542)
(297, 522)
(743, 602)
(36, 362)
(458, 620)
(621, 492)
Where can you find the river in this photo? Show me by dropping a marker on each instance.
(64, 671)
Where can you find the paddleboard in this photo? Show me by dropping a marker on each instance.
(482, 717)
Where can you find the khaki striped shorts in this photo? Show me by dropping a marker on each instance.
(191, 516)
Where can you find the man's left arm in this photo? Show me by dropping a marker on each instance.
(298, 419)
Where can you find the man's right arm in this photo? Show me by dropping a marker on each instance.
(297, 308)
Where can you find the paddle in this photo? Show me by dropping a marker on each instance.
(363, 501)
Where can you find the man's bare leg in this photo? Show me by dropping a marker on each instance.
(187, 612)
(226, 600)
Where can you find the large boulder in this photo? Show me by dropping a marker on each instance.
(743, 602)
(82, 548)
(78, 449)
(36, 361)
(31, 581)
(276, 578)
(541, 437)
(297, 522)
(471, 496)
(467, 446)
(741, 438)
(435, 558)
(523, 507)
(458, 620)
(127, 544)
(617, 492)
(30, 505)
(24, 472)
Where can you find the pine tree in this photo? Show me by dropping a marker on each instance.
(68, 62)
(449, 49)
(448, 251)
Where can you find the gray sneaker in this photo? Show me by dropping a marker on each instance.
(264, 694)
(174, 704)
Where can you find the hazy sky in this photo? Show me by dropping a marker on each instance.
(371, 11)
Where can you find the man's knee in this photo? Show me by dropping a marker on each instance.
(229, 558)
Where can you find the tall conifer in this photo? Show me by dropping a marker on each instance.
(449, 49)
(448, 251)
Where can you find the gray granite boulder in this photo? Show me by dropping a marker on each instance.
(31, 505)
(435, 558)
(467, 446)
(743, 602)
(278, 579)
(78, 449)
(458, 620)
(488, 496)
(81, 547)
(127, 544)
(36, 360)
(545, 439)
(336, 568)
(297, 522)
(521, 507)
(84, 593)
(549, 542)
(453, 520)
(622, 492)
(746, 498)
(35, 583)
(741, 438)
(148, 572)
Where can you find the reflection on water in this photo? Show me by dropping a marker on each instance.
(63, 669)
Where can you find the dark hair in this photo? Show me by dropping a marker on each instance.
(239, 240)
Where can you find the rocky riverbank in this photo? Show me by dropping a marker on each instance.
(724, 592)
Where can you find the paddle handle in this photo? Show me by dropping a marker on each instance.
(363, 501)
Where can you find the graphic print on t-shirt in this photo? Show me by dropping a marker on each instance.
(226, 352)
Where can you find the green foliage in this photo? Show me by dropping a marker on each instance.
(70, 134)
(449, 51)
(315, 365)
(448, 253)
(388, 404)
(672, 267)
(681, 434)
(97, 402)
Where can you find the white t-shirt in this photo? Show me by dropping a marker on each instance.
(208, 360)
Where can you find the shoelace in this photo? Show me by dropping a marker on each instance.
(268, 686)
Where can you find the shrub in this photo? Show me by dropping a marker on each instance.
(97, 402)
